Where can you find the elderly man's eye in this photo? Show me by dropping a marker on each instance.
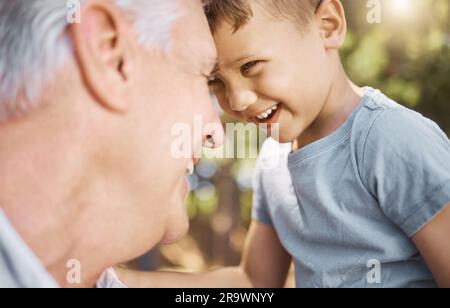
(246, 68)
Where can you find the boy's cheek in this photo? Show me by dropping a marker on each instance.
(236, 115)
(226, 107)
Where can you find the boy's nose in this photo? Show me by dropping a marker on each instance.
(241, 100)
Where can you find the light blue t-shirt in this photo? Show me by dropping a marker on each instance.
(346, 206)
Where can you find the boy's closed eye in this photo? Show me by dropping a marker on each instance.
(250, 67)
(246, 70)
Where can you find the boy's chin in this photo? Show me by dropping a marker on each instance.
(283, 136)
(284, 140)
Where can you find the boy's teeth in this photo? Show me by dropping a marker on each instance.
(267, 113)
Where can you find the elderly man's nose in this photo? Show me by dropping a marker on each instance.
(213, 135)
(241, 100)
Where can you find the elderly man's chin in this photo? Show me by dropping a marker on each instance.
(176, 231)
(178, 222)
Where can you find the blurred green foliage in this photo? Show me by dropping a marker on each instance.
(407, 55)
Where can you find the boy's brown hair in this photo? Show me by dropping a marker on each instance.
(238, 12)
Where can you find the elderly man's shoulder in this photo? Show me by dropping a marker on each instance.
(19, 267)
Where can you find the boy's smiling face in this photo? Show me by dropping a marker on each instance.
(270, 71)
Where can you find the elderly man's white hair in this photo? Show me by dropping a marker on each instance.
(34, 43)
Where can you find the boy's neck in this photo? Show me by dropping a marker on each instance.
(343, 98)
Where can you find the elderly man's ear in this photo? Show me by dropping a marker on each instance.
(100, 45)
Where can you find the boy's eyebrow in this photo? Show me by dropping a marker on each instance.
(241, 58)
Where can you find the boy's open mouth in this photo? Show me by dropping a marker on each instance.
(270, 115)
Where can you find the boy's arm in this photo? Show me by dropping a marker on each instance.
(434, 244)
(265, 261)
(265, 264)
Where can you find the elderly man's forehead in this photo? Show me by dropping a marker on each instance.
(203, 58)
(192, 35)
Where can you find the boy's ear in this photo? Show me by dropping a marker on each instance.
(100, 47)
(330, 17)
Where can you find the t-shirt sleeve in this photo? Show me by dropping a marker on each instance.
(260, 210)
(406, 167)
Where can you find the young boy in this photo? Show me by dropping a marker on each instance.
(361, 196)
